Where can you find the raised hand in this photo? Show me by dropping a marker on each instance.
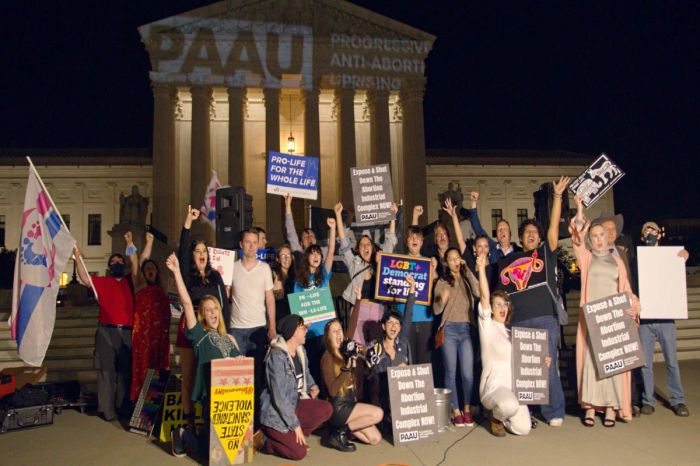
(417, 211)
(149, 237)
(474, 198)
(394, 208)
(481, 262)
(338, 208)
(288, 202)
(411, 283)
(358, 292)
(331, 223)
(128, 238)
(449, 208)
(173, 264)
(192, 214)
(560, 186)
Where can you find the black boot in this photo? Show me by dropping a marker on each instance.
(337, 438)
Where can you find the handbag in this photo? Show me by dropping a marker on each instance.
(440, 337)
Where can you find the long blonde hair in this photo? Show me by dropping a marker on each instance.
(221, 326)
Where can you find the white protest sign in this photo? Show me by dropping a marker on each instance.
(222, 261)
(662, 282)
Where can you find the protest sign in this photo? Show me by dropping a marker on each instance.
(662, 282)
(600, 176)
(530, 373)
(312, 305)
(172, 408)
(529, 277)
(292, 174)
(232, 404)
(266, 255)
(372, 195)
(412, 399)
(149, 402)
(613, 336)
(391, 272)
(222, 261)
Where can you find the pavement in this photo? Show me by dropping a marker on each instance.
(658, 439)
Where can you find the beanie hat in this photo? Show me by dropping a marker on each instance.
(288, 325)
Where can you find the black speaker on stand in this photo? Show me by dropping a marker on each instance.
(544, 197)
(234, 213)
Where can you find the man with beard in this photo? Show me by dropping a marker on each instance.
(115, 323)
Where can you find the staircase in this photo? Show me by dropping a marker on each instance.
(687, 331)
(70, 355)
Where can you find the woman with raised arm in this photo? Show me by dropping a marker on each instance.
(602, 274)
(339, 378)
(210, 340)
(201, 280)
(496, 386)
(283, 280)
(150, 341)
(361, 264)
(455, 296)
(315, 272)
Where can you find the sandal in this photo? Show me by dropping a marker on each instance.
(609, 421)
(589, 419)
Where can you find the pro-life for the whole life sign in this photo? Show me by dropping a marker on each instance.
(292, 174)
(613, 336)
(530, 373)
(372, 195)
(411, 394)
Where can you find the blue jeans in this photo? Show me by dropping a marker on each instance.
(250, 340)
(458, 344)
(665, 332)
(555, 408)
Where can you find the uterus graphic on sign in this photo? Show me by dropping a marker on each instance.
(520, 271)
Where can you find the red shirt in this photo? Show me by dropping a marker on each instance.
(116, 299)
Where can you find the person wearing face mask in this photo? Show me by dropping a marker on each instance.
(602, 274)
(663, 330)
(150, 347)
(115, 323)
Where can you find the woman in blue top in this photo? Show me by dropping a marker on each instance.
(315, 272)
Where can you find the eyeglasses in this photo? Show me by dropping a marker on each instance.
(284, 255)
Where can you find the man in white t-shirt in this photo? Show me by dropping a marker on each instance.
(253, 312)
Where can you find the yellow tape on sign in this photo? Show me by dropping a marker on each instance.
(231, 411)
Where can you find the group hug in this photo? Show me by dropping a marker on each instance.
(331, 376)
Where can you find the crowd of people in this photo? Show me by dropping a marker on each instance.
(333, 373)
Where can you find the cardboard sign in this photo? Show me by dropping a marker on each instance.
(613, 336)
(312, 305)
(149, 402)
(265, 255)
(231, 410)
(172, 408)
(222, 261)
(391, 272)
(662, 282)
(411, 394)
(530, 373)
(372, 195)
(600, 176)
(292, 174)
(523, 271)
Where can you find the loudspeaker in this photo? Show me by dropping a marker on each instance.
(544, 198)
(234, 213)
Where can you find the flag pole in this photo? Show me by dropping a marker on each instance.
(48, 194)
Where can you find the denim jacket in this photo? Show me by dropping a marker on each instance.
(278, 402)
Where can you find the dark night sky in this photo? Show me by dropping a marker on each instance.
(619, 77)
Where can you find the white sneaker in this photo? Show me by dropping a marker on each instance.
(556, 422)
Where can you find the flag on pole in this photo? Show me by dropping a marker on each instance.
(45, 246)
(208, 209)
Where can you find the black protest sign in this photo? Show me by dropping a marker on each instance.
(612, 335)
(372, 195)
(600, 176)
(413, 416)
(530, 373)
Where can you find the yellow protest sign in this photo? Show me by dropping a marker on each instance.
(172, 408)
(231, 411)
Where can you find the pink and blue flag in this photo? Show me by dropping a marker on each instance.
(45, 246)
(208, 209)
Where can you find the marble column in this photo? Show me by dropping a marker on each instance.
(347, 155)
(236, 136)
(273, 204)
(166, 212)
(200, 162)
(380, 140)
(312, 132)
(413, 140)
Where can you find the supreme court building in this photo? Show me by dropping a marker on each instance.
(326, 78)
